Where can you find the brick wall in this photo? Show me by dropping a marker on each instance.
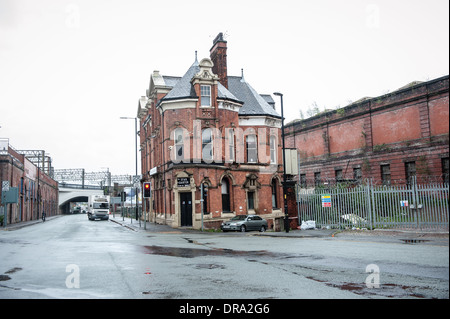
(15, 169)
(408, 125)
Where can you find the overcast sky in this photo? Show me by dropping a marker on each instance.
(70, 69)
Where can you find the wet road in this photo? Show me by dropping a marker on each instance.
(71, 257)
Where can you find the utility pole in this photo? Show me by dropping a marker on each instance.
(286, 216)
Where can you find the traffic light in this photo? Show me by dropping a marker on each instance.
(147, 189)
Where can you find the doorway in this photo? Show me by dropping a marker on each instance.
(186, 209)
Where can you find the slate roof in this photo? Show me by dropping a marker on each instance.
(223, 93)
(171, 80)
(183, 87)
(254, 104)
(238, 90)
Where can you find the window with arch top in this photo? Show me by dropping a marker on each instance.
(252, 150)
(207, 145)
(225, 195)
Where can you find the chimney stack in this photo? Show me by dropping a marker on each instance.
(218, 55)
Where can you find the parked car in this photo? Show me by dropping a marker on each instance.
(244, 223)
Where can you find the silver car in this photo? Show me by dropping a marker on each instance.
(245, 222)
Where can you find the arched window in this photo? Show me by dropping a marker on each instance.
(252, 150)
(178, 144)
(231, 145)
(225, 195)
(207, 145)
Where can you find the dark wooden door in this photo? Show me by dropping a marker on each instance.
(186, 209)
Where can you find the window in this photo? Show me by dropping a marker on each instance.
(445, 169)
(357, 174)
(231, 145)
(207, 145)
(303, 180)
(274, 194)
(386, 174)
(178, 144)
(251, 186)
(338, 175)
(100, 205)
(251, 199)
(410, 170)
(225, 195)
(205, 92)
(273, 149)
(317, 179)
(252, 151)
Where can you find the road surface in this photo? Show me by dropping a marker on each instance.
(72, 257)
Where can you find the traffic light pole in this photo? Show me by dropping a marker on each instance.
(144, 204)
(147, 193)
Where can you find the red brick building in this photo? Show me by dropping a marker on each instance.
(37, 191)
(389, 138)
(208, 130)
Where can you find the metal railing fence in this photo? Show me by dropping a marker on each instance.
(414, 206)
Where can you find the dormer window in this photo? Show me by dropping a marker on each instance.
(205, 95)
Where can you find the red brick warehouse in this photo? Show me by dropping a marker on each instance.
(37, 191)
(389, 138)
(209, 129)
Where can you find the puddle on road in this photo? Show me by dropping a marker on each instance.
(385, 290)
(13, 270)
(197, 252)
(5, 277)
(209, 266)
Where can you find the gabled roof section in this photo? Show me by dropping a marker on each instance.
(161, 82)
(183, 87)
(254, 104)
(238, 91)
(142, 107)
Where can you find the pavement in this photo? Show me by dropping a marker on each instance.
(378, 235)
(20, 225)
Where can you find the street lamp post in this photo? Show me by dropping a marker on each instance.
(135, 144)
(286, 216)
